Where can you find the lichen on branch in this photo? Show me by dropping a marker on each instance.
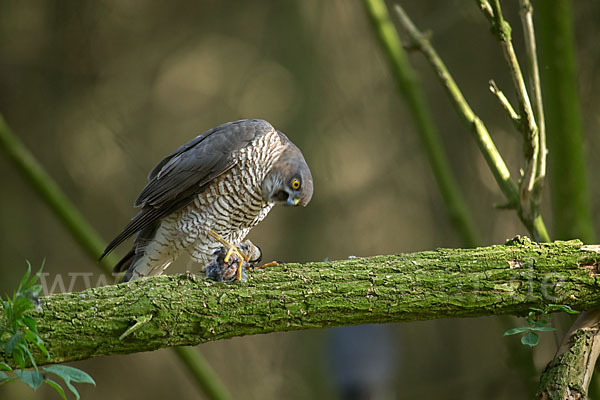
(445, 283)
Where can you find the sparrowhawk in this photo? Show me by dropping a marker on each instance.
(211, 190)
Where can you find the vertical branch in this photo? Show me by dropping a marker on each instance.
(493, 158)
(482, 137)
(92, 244)
(502, 31)
(408, 85)
(535, 87)
(569, 190)
(89, 240)
(564, 122)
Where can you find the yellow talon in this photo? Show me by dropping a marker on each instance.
(268, 265)
(229, 253)
(231, 249)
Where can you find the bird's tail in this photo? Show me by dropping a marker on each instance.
(151, 254)
(125, 262)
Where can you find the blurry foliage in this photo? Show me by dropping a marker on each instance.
(100, 91)
(18, 331)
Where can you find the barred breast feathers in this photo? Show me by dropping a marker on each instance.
(232, 204)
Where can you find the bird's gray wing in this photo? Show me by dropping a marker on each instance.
(178, 178)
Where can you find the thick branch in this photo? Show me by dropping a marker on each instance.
(446, 283)
(568, 375)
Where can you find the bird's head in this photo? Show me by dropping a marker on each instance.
(289, 182)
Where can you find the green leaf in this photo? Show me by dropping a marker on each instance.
(5, 367)
(10, 379)
(35, 339)
(20, 306)
(530, 339)
(29, 321)
(519, 329)
(12, 343)
(25, 278)
(74, 374)
(69, 374)
(28, 354)
(19, 357)
(543, 328)
(56, 387)
(562, 307)
(541, 322)
(31, 377)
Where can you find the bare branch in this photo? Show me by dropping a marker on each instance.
(535, 86)
(515, 118)
(533, 223)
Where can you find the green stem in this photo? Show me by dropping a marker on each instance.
(568, 184)
(569, 187)
(91, 242)
(202, 372)
(409, 87)
(529, 198)
(482, 137)
(535, 85)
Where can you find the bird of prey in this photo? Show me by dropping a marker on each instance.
(213, 190)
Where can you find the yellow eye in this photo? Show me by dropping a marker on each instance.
(295, 184)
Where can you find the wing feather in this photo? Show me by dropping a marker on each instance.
(176, 180)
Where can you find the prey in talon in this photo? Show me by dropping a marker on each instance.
(225, 180)
(228, 266)
(230, 262)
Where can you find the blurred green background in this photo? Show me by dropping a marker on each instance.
(102, 90)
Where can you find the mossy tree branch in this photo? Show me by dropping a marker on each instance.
(569, 374)
(164, 311)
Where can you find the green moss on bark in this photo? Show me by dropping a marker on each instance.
(445, 283)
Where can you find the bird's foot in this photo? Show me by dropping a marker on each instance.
(226, 258)
(230, 262)
(267, 265)
(232, 253)
(226, 271)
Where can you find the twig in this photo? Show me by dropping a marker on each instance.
(485, 142)
(515, 118)
(138, 324)
(502, 30)
(535, 86)
(533, 223)
(408, 85)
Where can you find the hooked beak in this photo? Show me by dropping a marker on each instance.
(292, 201)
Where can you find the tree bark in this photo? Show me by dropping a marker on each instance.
(569, 374)
(164, 311)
